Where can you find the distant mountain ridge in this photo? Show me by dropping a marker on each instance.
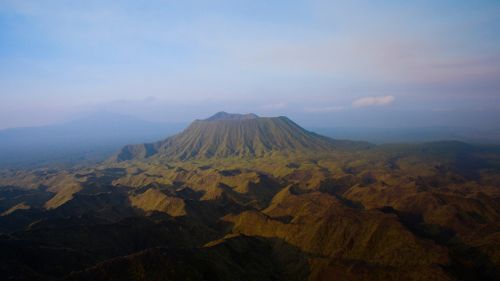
(239, 135)
(92, 138)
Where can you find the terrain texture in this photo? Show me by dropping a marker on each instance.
(242, 197)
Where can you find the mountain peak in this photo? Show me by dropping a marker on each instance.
(231, 116)
(215, 138)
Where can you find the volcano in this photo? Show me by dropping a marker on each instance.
(235, 135)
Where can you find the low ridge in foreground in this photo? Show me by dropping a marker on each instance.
(242, 197)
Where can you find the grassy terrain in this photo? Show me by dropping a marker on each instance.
(299, 207)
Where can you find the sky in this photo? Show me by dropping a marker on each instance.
(322, 63)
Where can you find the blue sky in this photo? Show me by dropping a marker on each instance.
(324, 63)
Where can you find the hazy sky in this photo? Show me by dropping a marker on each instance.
(324, 63)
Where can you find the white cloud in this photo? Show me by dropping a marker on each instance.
(372, 101)
(324, 109)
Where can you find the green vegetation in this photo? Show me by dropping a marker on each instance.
(238, 197)
(248, 136)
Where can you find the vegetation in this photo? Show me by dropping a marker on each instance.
(238, 197)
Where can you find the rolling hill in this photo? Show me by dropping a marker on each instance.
(242, 197)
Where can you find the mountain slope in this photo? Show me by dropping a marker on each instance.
(391, 212)
(226, 135)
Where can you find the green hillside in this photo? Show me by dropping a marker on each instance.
(235, 135)
(241, 197)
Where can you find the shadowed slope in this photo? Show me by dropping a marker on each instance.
(226, 135)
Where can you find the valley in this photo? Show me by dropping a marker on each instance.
(242, 197)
